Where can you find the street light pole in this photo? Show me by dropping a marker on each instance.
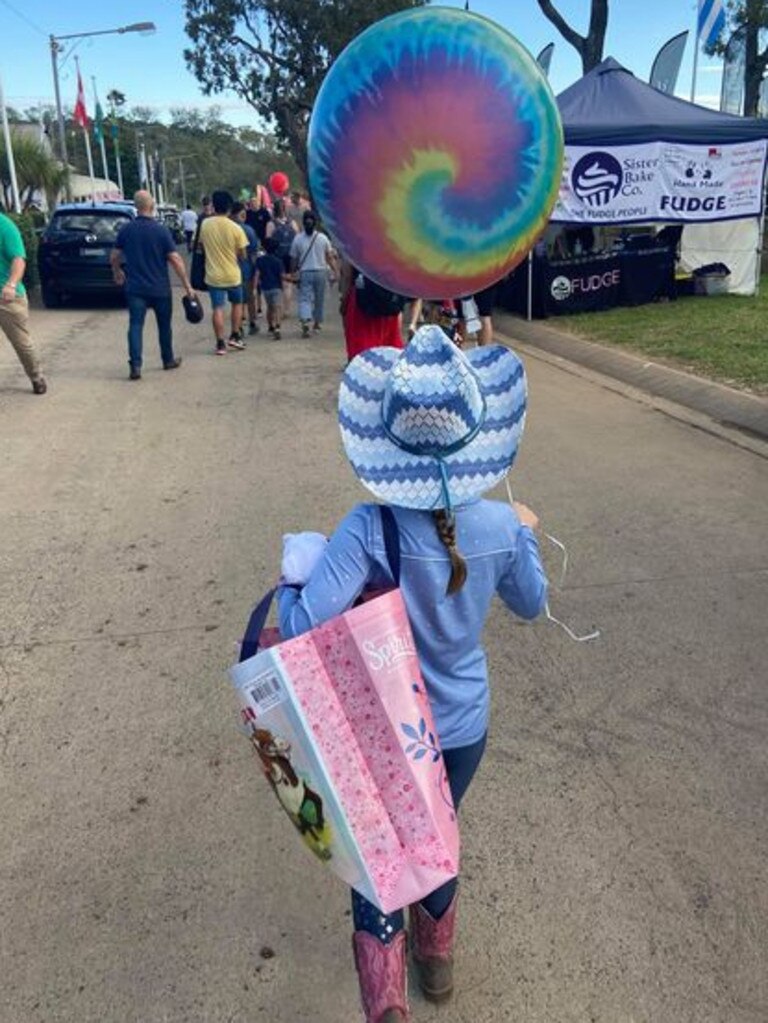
(139, 26)
(183, 182)
(57, 93)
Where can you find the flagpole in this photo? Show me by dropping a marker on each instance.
(114, 130)
(86, 134)
(696, 44)
(87, 137)
(99, 122)
(9, 151)
(116, 142)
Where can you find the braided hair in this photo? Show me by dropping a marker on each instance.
(446, 530)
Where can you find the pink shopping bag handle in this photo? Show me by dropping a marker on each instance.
(259, 615)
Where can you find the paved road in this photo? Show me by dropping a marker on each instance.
(615, 841)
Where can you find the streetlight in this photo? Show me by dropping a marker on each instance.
(55, 43)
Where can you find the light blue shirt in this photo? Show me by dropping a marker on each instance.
(502, 557)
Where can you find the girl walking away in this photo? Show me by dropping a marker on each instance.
(428, 430)
(282, 230)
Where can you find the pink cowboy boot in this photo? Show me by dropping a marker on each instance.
(433, 951)
(381, 970)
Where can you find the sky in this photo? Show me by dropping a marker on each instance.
(150, 70)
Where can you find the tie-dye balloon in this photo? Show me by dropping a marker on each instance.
(435, 152)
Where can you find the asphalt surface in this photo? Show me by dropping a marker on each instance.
(614, 842)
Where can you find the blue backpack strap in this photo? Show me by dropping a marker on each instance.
(255, 626)
(391, 540)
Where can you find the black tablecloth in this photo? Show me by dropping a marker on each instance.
(584, 284)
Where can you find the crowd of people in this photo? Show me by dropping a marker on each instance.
(249, 256)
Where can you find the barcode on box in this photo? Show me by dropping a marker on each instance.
(266, 692)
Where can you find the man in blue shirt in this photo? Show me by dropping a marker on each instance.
(143, 249)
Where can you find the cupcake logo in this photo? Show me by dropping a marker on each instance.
(597, 178)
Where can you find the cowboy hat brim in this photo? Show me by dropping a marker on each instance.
(415, 481)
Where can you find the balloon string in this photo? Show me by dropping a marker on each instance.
(559, 585)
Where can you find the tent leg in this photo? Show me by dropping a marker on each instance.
(529, 317)
(759, 261)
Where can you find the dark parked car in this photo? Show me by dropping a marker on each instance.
(74, 250)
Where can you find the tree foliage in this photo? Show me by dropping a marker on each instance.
(590, 46)
(197, 148)
(275, 53)
(36, 170)
(750, 16)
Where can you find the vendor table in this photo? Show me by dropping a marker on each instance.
(586, 283)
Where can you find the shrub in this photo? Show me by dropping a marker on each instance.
(29, 224)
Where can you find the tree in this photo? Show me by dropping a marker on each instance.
(590, 46)
(36, 171)
(275, 53)
(750, 16)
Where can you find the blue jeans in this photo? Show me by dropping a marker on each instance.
(312, 295)
(460, 766)
(137, 311)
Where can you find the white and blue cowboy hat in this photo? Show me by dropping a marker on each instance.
(431, 426)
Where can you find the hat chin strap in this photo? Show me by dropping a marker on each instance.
(439, 454)
(445, 487)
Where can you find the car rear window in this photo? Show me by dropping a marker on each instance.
(103, 225)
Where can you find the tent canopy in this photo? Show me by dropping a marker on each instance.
(609, 106)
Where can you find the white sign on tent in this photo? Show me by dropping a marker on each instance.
(661, 181)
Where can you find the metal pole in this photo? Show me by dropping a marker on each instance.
(529, 312)
(696, 43)
(183, 184)
(119, 166)
(57, 93)
(9, 151)
(143, 169)
(103, 148)
(87, 137)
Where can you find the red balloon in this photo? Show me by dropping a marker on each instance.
(279, 183)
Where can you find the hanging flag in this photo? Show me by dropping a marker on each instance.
(98, 124)
(666, 66)
(143, 170)
(113, 129)
(80, 114)
(734, 62)
(711, 22)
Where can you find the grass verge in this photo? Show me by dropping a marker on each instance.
(724, 337)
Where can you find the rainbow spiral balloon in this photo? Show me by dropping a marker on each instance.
(435, 152)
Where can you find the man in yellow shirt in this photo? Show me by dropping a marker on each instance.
(224, 243)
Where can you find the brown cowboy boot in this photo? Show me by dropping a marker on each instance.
(381, 970)
(433, 951)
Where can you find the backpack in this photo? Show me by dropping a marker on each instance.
(283, 236)
(374, 300)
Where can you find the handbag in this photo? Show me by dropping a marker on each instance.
(341, 725)
(197, 264)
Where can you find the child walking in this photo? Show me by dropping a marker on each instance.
(428, 430)
(269, 278)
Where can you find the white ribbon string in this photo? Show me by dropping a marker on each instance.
(570, 632)
(563, 570)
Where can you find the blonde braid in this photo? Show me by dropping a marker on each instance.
(446, 530)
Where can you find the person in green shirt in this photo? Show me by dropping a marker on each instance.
(14, 307)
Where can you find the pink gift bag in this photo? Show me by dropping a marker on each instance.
(342, 726)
